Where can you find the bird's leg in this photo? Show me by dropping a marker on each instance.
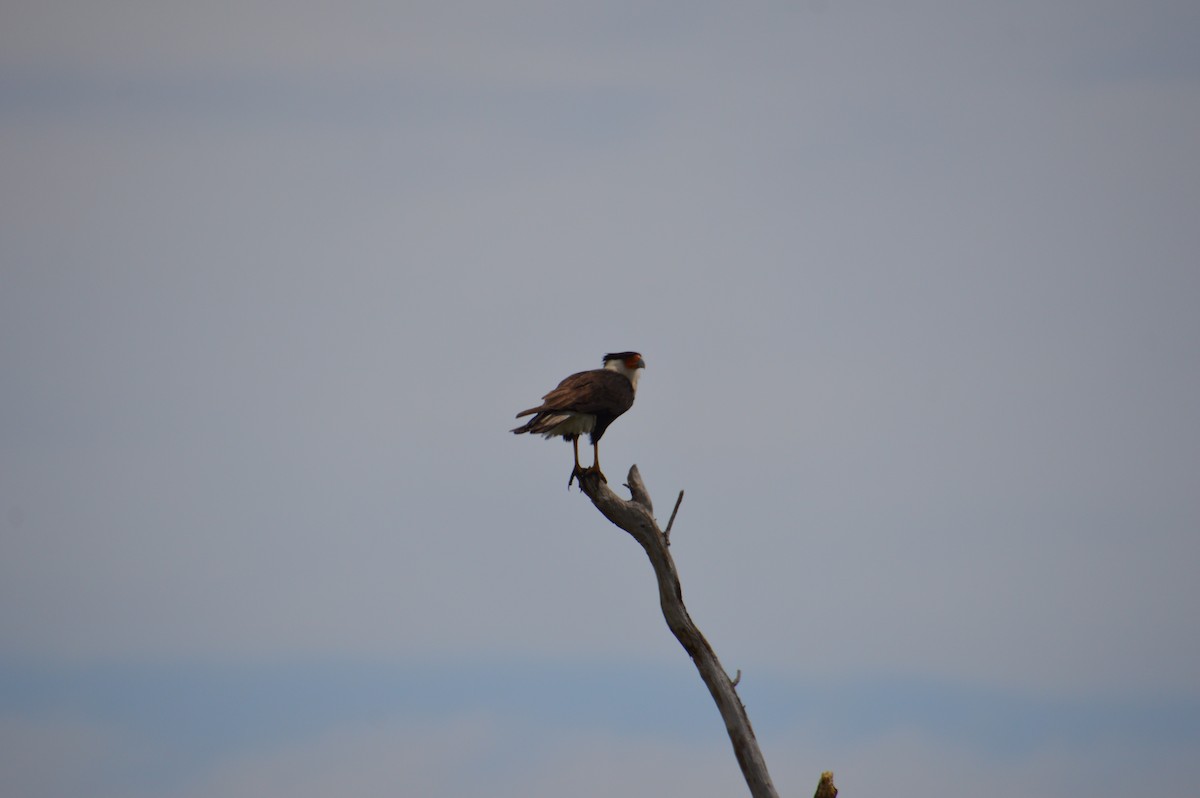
(596, 461)
(578, 470)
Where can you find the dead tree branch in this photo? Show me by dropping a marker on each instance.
(671, 520)
(636, 517)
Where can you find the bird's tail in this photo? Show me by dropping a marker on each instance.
(528, 426)
(545, 423)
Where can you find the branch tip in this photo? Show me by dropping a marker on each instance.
(671, 522)
(637, 489)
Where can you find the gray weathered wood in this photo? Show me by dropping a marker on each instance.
(636, 517)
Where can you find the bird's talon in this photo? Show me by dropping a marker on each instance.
(580, 472)
(576, 473)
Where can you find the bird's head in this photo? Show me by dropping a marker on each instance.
(628, 363)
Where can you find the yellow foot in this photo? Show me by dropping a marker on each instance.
(580, 473)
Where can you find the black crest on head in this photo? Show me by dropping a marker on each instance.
(619, 356)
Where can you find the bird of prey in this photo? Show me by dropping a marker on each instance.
(587, 402)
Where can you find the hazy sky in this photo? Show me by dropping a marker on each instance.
(917, 288)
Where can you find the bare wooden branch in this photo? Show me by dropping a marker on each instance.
(637, 491)
(636, 518)
(671, 522)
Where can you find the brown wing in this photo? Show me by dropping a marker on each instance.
(599, 391)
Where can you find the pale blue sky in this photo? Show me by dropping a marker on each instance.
(917, 292)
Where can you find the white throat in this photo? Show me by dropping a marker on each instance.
(619, 367)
